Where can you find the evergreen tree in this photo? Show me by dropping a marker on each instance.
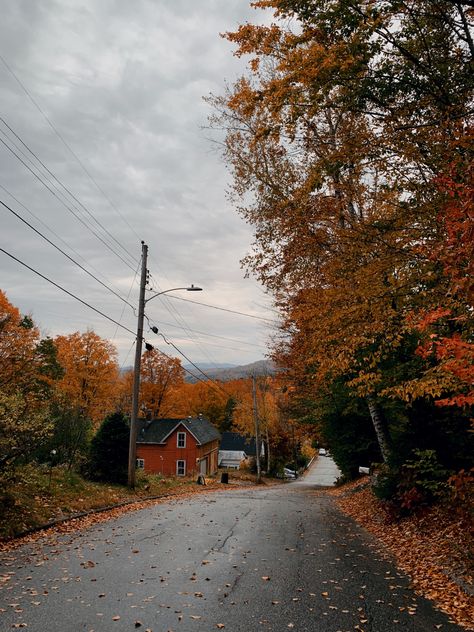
(109, 450)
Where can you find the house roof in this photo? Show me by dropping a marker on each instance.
(158, 430)
(236, 442)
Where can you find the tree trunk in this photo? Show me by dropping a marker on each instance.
(380, 426)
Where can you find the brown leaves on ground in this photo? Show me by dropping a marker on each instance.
(432, 548)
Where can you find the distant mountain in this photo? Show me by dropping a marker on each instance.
(223, 371)
(209, 365)
(225, 374)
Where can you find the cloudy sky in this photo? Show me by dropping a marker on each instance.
(108, 96)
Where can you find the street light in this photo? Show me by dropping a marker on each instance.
(190, 288)
(132, 451)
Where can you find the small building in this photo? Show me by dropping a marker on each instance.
(236, 449)
(178, 447)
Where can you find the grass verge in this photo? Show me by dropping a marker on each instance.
(39, 496)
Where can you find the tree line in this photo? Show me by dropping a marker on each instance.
(350, 143)
(63, 398)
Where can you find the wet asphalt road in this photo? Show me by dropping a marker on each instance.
(271, 558)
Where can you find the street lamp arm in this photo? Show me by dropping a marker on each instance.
(191, 288)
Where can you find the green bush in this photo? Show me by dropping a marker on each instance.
(419, 481)
(109, 450)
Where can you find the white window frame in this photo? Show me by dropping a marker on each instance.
(183, 473)
(181, 435)
(140, 464)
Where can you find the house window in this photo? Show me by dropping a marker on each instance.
(180, 468)
(181, 441)
(140, 464)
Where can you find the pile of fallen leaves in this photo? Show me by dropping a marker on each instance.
(433, 547)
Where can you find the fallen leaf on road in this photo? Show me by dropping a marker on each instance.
(220, 626)
(266, 578)
(116, 618)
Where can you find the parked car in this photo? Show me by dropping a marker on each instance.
(323, 452)
(287, 473)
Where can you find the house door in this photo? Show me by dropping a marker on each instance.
(203, 466)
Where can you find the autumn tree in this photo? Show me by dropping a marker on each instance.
(336, 137)
(160, 377)
(24, 403)
(208, 398)
(24, 426)
(18, 340)
(91, 372)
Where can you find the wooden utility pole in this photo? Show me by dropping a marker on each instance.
(257, 428)
(132, 450)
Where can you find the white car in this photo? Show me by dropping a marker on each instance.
(287, 473)
(322, 452)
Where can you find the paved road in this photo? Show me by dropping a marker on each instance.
(323, 473)
(269, 558)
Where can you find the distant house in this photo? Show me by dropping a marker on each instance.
(178, 447)
(236, 449)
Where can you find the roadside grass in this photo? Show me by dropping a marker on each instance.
(39, 495)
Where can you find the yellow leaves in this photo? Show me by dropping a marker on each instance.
(365, 382)
(90, 380)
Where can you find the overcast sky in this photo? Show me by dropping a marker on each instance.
(121, 83)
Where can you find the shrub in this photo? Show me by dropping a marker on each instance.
(109, 450)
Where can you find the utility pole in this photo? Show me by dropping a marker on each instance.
(132, 450)
(257, 429)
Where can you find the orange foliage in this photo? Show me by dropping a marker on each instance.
(91, 374)
(160, 377)
(18, 340)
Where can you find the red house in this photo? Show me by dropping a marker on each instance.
(178, 447)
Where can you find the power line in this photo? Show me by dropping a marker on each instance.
(65, 204)
(62, 139)
(128, 296)
(65, 254)
(203, 333)
(66, 291)
(180, 319)
(223, 309)
(40, 221)
(91, 215)
(168, 342)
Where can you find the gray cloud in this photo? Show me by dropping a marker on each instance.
(123, 83)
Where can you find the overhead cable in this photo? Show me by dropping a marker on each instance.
(91, 215)
(65, 143)
(66, 205)
(40, 221)
(223, 309)
(65, 254)
(208, 377)
(98, 311)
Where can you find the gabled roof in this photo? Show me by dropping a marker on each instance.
(158, 430)
(236, 442)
